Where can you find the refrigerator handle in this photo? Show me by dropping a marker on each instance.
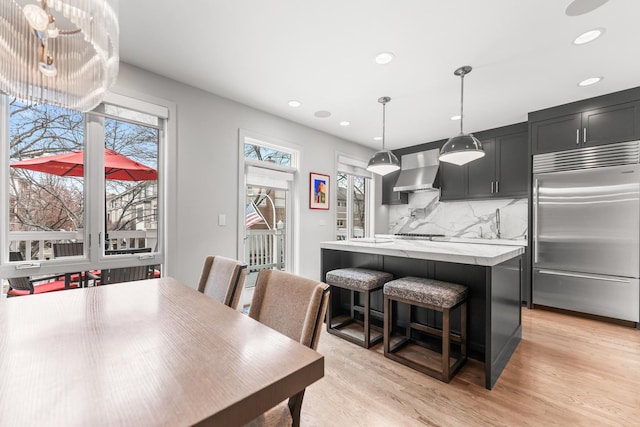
(536, 187)
(584, 276)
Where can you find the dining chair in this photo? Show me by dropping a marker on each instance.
(19, 286)
(71, 249)
(294, 306)
(223, 279)
(68, 249)
(123, 274)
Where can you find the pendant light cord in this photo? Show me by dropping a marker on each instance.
(461, 101)
(384, 107)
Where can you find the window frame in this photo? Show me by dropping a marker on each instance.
(354, 167)
(293, 244)
(94, 190)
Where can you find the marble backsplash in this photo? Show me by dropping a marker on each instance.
(426, 214)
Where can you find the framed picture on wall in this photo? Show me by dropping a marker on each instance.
(318, 191)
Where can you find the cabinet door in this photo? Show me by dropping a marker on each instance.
(512, 165)
(390, 197)
(557, 134)
(452, 181)
(481, 172)
(607, 125)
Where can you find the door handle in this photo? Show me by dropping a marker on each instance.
(536, 187)
(492, 184)
(497, 186)
(26, 265)
(584, 276)
(577, 136)
(584, 135)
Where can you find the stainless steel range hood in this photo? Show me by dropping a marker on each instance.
(418, 171)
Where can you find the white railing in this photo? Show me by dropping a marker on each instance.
(24, 240)
(265, 249)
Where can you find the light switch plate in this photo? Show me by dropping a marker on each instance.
(222, 219)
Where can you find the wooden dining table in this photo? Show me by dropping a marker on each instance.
(147, 353)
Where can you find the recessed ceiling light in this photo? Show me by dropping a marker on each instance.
(345, 123)
(457, 117)
(588, 36)
(322, 114)
(377, 138)
(293, 103)
(590, 81)
(384, 58)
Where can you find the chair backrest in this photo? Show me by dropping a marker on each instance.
(124, 274)
(290, 304)
(294, 306)
(223, 279)
(68, 249)
(19, 283)
(127, 251)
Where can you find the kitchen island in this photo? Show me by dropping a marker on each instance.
(492, 273)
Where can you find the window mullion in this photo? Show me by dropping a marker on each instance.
(95, 188)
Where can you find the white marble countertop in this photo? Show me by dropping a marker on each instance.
(449, 251)
(506, 242)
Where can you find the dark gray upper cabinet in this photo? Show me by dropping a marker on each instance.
(512, 164)
(502, 172)
(452, 181)
(608, 125)
(390, 197)
(481, 173)
(557, 134)
(596, 121)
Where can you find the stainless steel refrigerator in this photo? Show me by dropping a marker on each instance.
(586, 230)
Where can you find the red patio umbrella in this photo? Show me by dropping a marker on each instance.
(116, 166)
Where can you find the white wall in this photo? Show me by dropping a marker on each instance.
(206, 172)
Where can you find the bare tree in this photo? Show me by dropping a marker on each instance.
(41, 201)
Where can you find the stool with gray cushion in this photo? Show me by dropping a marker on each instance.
(434, 295)
(359, 280)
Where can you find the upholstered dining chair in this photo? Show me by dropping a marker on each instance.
(19, 286)
(294, 306)
(223, 279)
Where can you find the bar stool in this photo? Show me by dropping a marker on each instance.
(362, 281)
(434, 295)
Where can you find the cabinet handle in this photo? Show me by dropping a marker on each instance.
(492, 184)
(584, 135)
(497, 186)
(577, 136)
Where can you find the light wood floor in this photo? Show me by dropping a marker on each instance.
(566, 371)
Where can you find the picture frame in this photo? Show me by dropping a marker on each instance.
(319, 191)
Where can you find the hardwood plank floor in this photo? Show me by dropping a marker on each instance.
(566, 371)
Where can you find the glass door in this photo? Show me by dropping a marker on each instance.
(266, 233)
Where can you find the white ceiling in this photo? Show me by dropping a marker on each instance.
(264, 53)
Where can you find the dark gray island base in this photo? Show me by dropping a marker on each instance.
(494, 318)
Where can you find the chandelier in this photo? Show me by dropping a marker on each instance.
(59, 52)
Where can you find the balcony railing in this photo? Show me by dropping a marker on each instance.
(265, 249)
(37, 245)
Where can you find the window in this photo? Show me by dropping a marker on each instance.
(90, 200)
(258, 150)
(353, 184)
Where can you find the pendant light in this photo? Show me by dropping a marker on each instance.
(383, 162)
(59, 52)
(463, 148)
